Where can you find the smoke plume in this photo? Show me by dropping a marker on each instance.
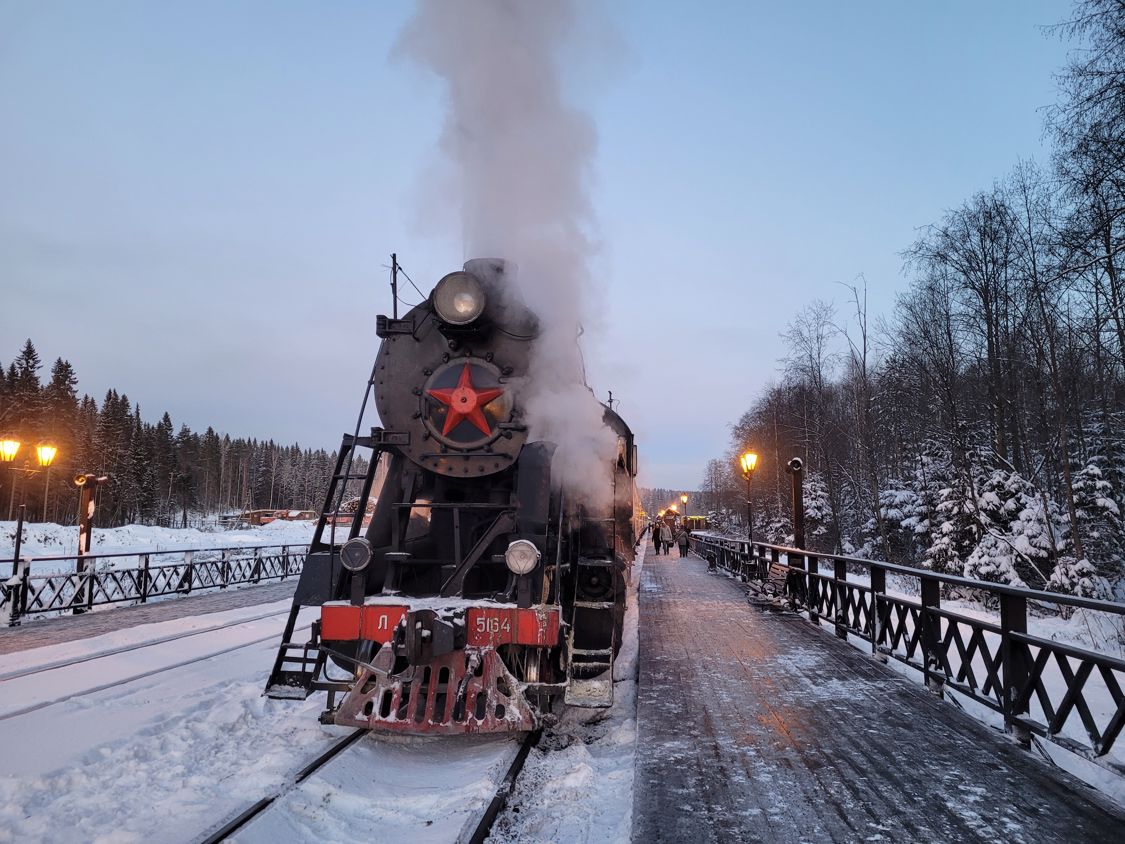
(522, 157)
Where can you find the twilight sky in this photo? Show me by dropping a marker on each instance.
(197, 200)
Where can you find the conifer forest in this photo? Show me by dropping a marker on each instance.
(158, 473)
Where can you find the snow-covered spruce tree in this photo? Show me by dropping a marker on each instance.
(1078, 577)
(951, 524)
(900, 507)
(1017, 543)
(818, 511)
(1099, 522)
(778, 529)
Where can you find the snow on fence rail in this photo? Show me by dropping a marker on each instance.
(96, 580)
(1067, 694)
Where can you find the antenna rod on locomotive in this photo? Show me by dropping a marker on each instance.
(394, 285)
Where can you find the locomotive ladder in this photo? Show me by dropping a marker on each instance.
(590, 670)
(298, 664)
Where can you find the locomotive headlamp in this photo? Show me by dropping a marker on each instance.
(459, 298)
(355, 554)
(522, 556)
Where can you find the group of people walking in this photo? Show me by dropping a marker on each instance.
(664, 537)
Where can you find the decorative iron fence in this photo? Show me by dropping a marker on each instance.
(1040, 686)
(94, 581)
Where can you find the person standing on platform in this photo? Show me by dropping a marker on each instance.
(656, 536)
(683, 540)
(666, 536)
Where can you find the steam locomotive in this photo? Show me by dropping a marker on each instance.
(476, 593)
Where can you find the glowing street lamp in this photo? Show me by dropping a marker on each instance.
(45, 454)
(9, 448)
(683, 500)
(749, 462)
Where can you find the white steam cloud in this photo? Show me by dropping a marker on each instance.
(522, 156)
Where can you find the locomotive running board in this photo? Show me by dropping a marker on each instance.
(593, 693)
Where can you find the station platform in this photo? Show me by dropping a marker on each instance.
(755, 726)
(36, 633)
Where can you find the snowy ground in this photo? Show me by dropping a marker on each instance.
(191, 736)
(181, 722)
(52, 540)
(577, 785)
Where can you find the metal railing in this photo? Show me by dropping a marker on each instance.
(94, 581)
(1040, 686)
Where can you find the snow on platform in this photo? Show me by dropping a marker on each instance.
(754, 726)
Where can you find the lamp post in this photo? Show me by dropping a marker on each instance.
(44, 455)
(683, 500)
(748, 462)
(9, 448)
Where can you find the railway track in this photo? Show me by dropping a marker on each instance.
(43, 704)
(253, 823)
(245, 817)
(67, 663)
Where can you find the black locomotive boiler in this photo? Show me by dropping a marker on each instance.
(461, 587)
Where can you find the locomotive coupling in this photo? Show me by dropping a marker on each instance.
(426, 635)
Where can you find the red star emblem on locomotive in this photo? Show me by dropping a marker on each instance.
(465, 402)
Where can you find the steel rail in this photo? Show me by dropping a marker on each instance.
(504, 789)
(480, 832)
(67, 663)
(44, 704)
(244, 817)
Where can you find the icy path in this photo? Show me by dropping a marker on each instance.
(157, 759)
(756, 726)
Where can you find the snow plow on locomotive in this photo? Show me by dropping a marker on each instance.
(479, 595)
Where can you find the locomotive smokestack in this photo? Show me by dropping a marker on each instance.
(499, 270)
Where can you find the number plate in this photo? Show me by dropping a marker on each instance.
(488, 627)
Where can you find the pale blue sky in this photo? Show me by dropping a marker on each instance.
(196, 199)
